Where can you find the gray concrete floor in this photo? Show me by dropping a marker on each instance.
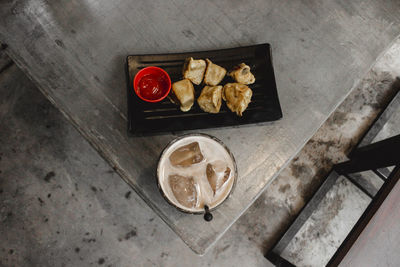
(61, 204)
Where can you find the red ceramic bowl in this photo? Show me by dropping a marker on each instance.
(152, 84)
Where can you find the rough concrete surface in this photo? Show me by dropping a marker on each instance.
(61, 204)
(391, 128)
(328, 226)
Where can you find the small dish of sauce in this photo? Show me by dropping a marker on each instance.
(152, 84)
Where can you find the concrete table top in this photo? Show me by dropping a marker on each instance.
(75, 52)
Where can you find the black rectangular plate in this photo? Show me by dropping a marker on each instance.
(164, 116)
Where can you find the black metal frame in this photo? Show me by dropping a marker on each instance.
(371, 157)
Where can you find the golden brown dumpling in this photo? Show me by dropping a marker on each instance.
(210, 99)
(237, 97)
(242, 74)
(183, 94)
(214, 74)
(194, 70)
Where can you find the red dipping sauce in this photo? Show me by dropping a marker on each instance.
(152, 87)
(152, 84)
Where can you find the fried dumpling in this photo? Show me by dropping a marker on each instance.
(242, 74)
(214, 74)
(237, 97)
(210, 99)
(194, 70)
(183, 94)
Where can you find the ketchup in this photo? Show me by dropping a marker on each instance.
(152, 86)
